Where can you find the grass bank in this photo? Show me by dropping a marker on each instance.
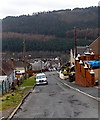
(12, 99)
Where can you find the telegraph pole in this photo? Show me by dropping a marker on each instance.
(24, 56)
(75, 42)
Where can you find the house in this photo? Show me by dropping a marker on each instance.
(95, 46)
(87, 66)
(7, 70)
(19, 72)
(3, 83)
(19, 68)
(80, 51)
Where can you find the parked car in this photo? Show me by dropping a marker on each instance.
(41, 79)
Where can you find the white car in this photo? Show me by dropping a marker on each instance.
(41, 79)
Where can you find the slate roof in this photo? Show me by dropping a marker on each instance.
(18, 63)
(5, 69)
(95, 46)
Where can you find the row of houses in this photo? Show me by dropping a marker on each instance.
(8, 72)
(12, 72)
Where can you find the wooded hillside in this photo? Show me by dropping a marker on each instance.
(50, 31)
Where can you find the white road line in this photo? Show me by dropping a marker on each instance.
(96, 98)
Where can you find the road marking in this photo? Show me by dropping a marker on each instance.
(95, 98)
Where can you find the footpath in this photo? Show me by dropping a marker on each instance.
(92, 92)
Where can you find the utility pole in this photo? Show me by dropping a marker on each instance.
(75, 42)
(24, 56)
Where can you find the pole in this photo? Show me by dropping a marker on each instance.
(24, 57)
(75, 42)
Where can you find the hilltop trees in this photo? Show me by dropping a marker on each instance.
(50, 31)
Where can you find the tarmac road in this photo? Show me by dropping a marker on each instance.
(57, 101)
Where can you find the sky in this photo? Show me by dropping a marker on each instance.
(25, 7)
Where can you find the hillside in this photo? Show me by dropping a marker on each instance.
(54, 29)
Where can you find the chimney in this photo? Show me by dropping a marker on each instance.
(12, 63)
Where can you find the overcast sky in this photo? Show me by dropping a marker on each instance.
(20, 7)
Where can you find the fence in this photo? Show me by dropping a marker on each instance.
(83, 75)
(6, 85)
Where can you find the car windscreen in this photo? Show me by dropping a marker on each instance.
(40, 77)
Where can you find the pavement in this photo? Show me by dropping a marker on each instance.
(92, 92)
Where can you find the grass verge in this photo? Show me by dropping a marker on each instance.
(12, 99)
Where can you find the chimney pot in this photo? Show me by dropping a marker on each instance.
(81, 62)
(91, 72)
(77, 58)
(85, 66)
(92, 53)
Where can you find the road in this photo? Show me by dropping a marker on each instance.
(57, 101)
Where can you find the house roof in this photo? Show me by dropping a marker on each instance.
(81, 49)
(19, 63)
(6, 68)
(95, 46)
